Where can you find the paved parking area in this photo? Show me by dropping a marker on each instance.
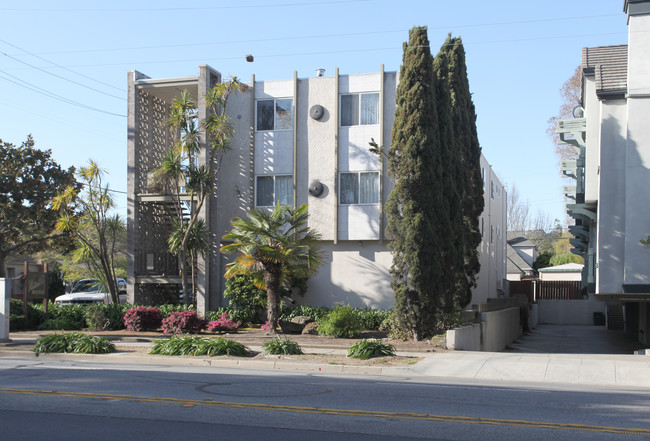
(571, 339)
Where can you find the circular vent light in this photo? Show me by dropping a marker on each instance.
(316, 189)
(316, 111)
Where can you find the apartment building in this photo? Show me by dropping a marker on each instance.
(299, 140)
(611, 203)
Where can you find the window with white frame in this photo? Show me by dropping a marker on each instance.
(272, 190)
(274, 114)
(359, 109)
(356, 188)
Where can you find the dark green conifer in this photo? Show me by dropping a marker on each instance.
(470, 180)
(415, 208)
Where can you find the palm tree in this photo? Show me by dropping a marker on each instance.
(274, 247)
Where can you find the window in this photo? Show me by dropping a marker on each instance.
(271, 190)
(275, 114)
(483, 175)
(359, 109)
(359, 188)
(492, 189)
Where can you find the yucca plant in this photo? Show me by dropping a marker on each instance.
(74, 342)
(281, 346)
(199, 346)
(369, 348)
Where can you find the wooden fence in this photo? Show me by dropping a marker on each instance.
(547, 289)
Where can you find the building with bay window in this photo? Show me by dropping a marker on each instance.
(296, 141)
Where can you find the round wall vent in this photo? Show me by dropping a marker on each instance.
(316, 189)
(316, 111)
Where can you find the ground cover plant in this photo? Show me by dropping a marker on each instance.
(368, 348)
(281, 346)
(74, 342)
(194, 345)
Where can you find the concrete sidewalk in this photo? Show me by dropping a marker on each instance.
(584, 362)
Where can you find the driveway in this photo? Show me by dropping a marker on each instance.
(572, 339)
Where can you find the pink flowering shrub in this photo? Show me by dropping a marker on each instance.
(265, 326)
(223, 324)
(183, 322)
(142, 319)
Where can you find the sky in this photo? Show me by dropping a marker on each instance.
(63, 66)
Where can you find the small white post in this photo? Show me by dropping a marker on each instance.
(5, 295)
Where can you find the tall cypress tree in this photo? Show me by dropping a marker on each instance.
(416, 208)
(470, 180)
(451, 188)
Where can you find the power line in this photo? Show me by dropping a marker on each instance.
(17, 81)
(347, 34)
(57, 65)
(175, 9)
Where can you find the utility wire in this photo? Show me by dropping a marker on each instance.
(57, 65)
(49, 94)
(63, 78)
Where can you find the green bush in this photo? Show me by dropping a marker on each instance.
(342, 322)
(167, 309)
(392, 326)
(74, 342)
(57, 325)
(110, 316)
(281, 346)
(199, 346)
(318, 313)
(366, 349)
(236, 314)
(17, 319)
(75, 314)
(242, 293)
(372, 318)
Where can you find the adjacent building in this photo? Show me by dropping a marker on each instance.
(299, 140)
(611, 202)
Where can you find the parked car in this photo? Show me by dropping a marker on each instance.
(90, 291)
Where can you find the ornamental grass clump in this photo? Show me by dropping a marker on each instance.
(193, 345)
(281, 346)
(183, 322)
(74, 342)
(369, 348)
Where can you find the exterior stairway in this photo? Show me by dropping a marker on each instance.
(615, 317)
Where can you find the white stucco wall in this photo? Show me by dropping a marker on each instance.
(569, 312)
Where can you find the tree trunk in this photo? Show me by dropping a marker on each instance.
(272, 281)
(186, 294)
(3, 271)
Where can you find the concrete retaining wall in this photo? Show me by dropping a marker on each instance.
(569, 312)
(5, 295)
(496, 330)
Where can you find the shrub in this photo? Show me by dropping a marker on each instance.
(109, 316)
(281, 346)
(74, 342)
(223, 323)
(167, 309)
(317, 313)
(142, 319)
(57, 325)
(393, 328)
(366, 349)
(199, 346)
(372, 319)
(183, 322)
(341, 322)
(243, 294)
(17, 319)
(75, 314)
(236, 314)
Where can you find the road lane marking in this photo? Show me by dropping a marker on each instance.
(339, 412)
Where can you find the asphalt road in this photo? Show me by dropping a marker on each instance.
(63, 400)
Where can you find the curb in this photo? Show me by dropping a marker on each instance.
(230, 362)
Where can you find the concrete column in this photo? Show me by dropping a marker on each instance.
(5, 295)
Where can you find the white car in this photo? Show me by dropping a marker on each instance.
(90, 291)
